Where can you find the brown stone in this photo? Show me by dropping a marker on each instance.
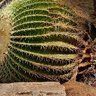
(74, 88)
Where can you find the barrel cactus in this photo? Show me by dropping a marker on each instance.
(39, 41)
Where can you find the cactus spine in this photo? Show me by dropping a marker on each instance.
(43, 44)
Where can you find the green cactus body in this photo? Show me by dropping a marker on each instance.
(42, 43)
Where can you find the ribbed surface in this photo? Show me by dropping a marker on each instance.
(43, 43)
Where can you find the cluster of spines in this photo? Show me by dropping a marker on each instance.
(44, 43)
(3, 3)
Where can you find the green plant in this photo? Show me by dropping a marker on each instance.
(40, 41)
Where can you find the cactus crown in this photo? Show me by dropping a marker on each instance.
(43, 42)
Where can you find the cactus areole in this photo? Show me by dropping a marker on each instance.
(39, 41)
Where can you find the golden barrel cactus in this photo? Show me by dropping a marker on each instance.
(39, 41)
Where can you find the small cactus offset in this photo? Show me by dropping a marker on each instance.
(40, 42)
